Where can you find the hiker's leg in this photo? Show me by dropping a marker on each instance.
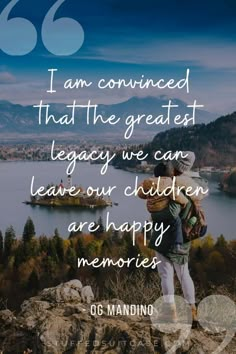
(166, 272)
(186, 282)
(177, 231)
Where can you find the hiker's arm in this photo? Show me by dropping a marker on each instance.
(145, 186)
(179, 198)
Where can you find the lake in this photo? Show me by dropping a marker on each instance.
(15, 180)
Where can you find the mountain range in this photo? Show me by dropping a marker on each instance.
(18, 121)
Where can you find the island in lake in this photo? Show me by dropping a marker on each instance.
(69, 196)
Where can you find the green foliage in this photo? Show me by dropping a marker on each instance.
(43, 243)
(80, 248)
(50, 267)
(33, 281)
(59, 246)
(93, 249)
(100, 226)
(19, 255)
(71, 258)
(214, 143)
(47, 261)
(52, 251)
(56, 233)
(221, 242)
(29, 231)
(106, 249)
(199, 254)
(1, 247)
(216, 261)
(9, 241)
(212, 262)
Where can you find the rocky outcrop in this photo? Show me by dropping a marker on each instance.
(59, 320)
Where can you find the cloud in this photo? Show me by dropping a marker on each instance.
(7, 78)
(212, 71)
(194, 52)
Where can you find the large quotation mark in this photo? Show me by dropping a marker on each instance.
(217, 313)
(61, 37)
(162, 319)
(18, 36)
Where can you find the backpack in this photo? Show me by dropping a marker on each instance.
(200, 227)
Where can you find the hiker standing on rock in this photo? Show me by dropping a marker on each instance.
(172, 260)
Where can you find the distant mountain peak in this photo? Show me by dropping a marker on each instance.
(18, 119)
(5, 102)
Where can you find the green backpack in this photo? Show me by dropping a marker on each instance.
(199, 229)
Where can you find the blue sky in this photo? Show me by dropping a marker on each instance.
(125, 39)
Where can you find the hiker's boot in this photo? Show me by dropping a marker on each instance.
(168, 313)
(194, 316)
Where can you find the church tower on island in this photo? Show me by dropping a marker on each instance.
(69, 181)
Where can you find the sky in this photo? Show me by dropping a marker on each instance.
(122, 39)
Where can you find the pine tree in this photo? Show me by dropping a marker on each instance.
(52, 252)
(33, 281)
(199, 256)
(72, 235)
(9, 241)
(50, 268)
(100, 230)
(43, 243)
(71, 257)
(20, 255)
(29, 231)
(221, 242)
(59, 245)
(80, 248)
(56, 232)
(101, 226)
(1, 247)
(106, 248)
